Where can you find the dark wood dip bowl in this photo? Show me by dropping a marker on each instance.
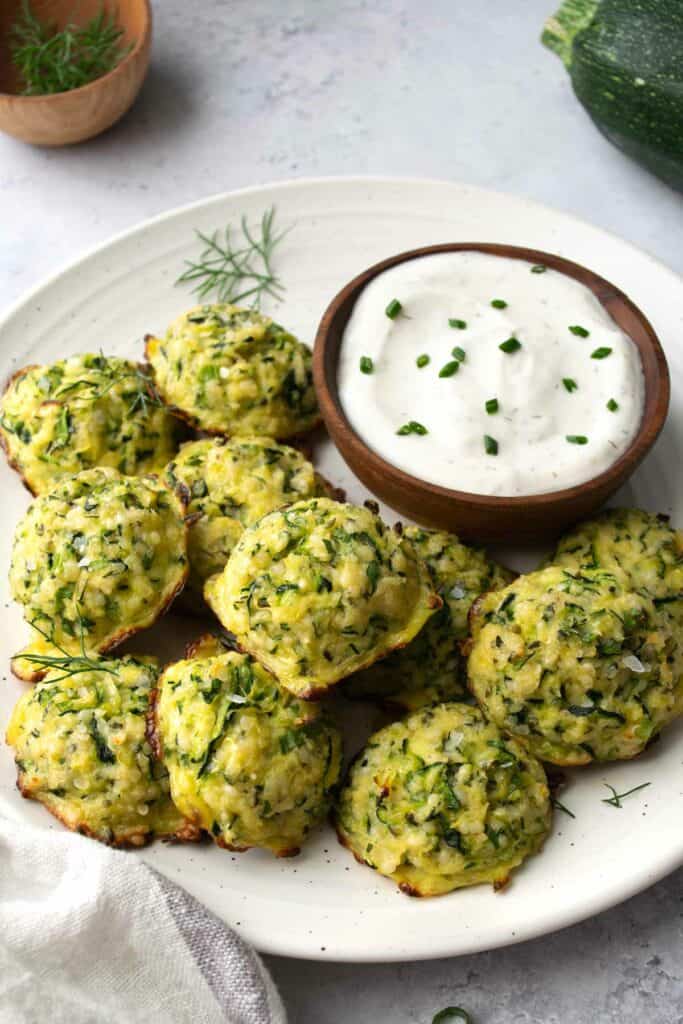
(477, 517)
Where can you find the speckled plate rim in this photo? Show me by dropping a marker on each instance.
(323, 905)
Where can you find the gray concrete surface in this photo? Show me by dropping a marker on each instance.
(249, 91)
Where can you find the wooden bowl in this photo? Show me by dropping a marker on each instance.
(60, 119)
(477, 517)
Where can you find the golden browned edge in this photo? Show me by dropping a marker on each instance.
(187, 833)
(335, 493)
(193, 422)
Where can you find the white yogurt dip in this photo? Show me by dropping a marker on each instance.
(424, 381)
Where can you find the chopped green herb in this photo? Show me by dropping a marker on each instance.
(452, 1015)
(601, 353)
(570, 384)
(581, 332)
(422, 360)
(498, 303)
(459, 325)
(366, 364)
(492, 406)
(616, 798)
(612, 405)
(561, 807)
(490, 445)
(576, 439)
(449, 369)
(459, 354)
(413, 427)
(538, 269)
(393, 309)
(511, 345)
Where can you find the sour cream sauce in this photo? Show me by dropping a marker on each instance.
(558, 384)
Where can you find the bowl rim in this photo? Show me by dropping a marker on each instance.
(140, 44)
(657, 381)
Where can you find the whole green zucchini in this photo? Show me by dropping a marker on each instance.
(625, 59)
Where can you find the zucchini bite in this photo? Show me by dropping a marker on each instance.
(318, 590)
(578, 666)
(248, 762)
(642, 545)
(81, 750)
(85, 411)
(430, 668)
(230, 484)
(441, 800)
(94, 561)
(230, 371)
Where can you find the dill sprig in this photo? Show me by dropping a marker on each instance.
(52, 60)
(236, 272)
(616, 798)
(69, 664)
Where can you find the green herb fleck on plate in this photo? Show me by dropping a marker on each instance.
(422, 360)
(459, 354)
(459, 325)
(616, 798)
(490, 445)
(538, 269)
(499, 303)
(577, 439)
(492, 406)
(393, 309)
(449, 369)
(601, 353)
(612, 405)
(511, 345)
(366, 364)
(569, 384)
(580, 331)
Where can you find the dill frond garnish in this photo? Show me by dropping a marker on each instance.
(68, 664)
(52, 60)
(239, 271)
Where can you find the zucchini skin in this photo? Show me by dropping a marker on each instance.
(626, 68)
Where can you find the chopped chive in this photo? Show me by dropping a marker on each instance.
(452, 1015)
(601, 353)
(511, 345)
(413, 427)
(366, 364)
(393, 309)
(449, 369)
(569, 384)
(538, 269)
(460, 325)
(498, 303)
(616, 798)
(490, 445)
(459, 354)
(580, 331)
(576, 439)
(492, 406)
(422, 360)
(612, 405)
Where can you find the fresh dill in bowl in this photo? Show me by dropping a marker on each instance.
(52, 60)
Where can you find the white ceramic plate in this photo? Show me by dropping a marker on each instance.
(322, 904)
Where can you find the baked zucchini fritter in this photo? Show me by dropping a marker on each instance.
(233, 371)
(94, 561)
(441, 800)
(319, 590)
(229, 485)
(81, 750)
(431, 668)
(577, 666)
(640, 544)
(248, 762)
(80, 412)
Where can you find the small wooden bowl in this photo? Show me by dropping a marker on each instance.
(63, 118)
(477, 517)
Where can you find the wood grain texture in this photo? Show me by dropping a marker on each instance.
(65, 118)
(476, 517)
